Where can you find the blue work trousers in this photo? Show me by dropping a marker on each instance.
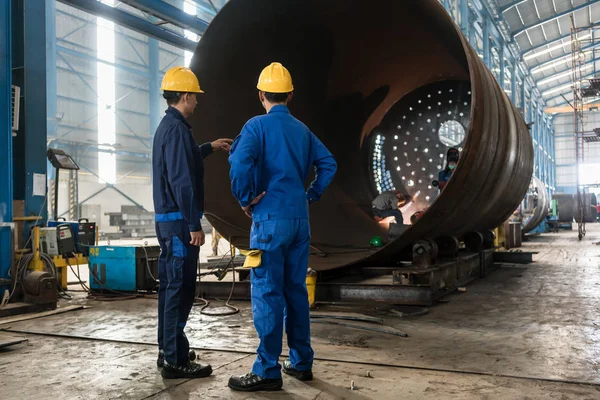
(177, 271)
(389, 213)
(279, 295)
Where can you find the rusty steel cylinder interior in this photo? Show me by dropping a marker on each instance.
(388, 86)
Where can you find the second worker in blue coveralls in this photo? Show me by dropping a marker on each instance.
(178, 191)
(270, 161)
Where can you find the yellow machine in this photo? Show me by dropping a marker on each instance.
(61, 263)
(500, 240)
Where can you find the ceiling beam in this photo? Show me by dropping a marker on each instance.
(553, 18)
(588, 62)
(566, 90)
(172, 15)
(557, 58)
(563, 37)
(568, 109)
(133, 22)
(511, 5)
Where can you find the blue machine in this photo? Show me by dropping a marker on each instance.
(123, 268)
(541, 228)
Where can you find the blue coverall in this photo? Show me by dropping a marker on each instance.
(178, 191)
(275, 154)
(443, 178)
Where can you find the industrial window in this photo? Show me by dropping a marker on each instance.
(527, 105)
(453, 8)
(478, 39)
(519, 93)
(105, 49)
(589, 174)
(508, 68)
(189, 9)
(495, 62)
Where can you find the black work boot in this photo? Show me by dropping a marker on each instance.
(190, 371)
(254, 383)
(160, 361)
(300, 375)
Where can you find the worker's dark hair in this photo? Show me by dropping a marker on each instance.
(173, 98)
(276, 97)
(453, 154)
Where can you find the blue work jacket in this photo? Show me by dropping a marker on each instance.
(275, 153)
(443, 178)
(178, 171)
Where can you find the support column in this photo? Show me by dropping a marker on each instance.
(486, 41)
(523, 93)
(6, 176)
(502, 64)
(535, 131)
(464, 17)
(51, 85)
(554, 157)
(154, 86)
(543, 151)
(6, 184)
(513, 83)
(51, 82)
(35, 111)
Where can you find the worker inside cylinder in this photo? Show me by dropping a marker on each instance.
(386, 207)
(452, 157)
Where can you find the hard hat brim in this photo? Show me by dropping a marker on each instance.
(267, 89)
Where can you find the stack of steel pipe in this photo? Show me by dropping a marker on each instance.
(389, 87)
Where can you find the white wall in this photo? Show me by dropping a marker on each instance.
(565, 147)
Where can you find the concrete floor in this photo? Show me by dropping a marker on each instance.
(524, 332)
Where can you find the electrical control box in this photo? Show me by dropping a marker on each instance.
(48, 241)
(86, 236)
(74, 226)
(66, 240)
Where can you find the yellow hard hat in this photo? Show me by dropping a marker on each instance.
(181, 79)
(275, 79)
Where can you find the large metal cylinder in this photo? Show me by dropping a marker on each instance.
(589, 203)
(388, 86)
(567, 207)
(542, 206)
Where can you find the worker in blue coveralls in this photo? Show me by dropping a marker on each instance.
(444, 176)
(178, 191)
(270, 161)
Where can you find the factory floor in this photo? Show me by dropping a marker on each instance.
(523, 332)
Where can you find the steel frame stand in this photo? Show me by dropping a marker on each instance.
(406, 283)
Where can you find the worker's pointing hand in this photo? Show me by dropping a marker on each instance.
(197, 238)
(248, 208)
(222, 144)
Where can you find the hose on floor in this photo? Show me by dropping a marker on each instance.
(205, 304)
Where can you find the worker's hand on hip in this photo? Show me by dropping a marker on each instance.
(222, 144)
(248, 208)
(197, 238)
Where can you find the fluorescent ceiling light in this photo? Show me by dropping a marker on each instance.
(559, 76)
(555, 47)
(557, 89)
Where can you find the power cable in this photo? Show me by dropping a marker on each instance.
(21, 264)
(232, 309)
